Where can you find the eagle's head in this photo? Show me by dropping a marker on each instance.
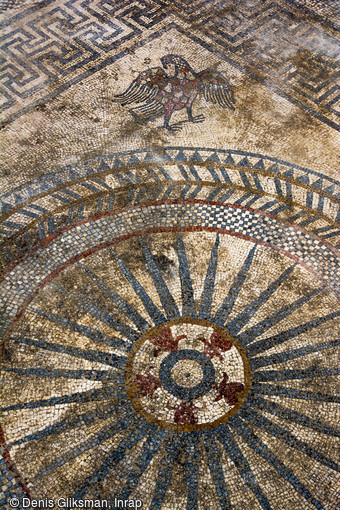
(175, 60)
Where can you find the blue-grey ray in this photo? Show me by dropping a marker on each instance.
(78, 420)
(268, 343)
(229, 301)
(287, 437)
(96, 439)
(285, 375)
(244, 317)
(114, 457)
(91, 333)
(129, 311)
(216, 470)
(331, 234)
(98, 394)
(152, 310)
(209, 282)
(255, 443)
(92, 375)
(283, 391)
(273, 319)
(214, 194)
(285, 413)
(153, 174)
(225, 175)
(101, 357)
(253, 199)
(150, 448)
(165, 295)
(191, 469)
(268, 205)
(165, 470)
(243, 198)
(188, 300)
(282, 357)
(100, 314)
(225, 437)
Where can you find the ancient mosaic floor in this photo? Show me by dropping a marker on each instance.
(170, 254)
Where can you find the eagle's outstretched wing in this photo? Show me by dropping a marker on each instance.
(145, 87)
(216, 88)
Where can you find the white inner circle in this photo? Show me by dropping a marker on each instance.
(187, 373)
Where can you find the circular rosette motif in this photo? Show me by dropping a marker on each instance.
(168, 361)
(176, 342)
(187, 375)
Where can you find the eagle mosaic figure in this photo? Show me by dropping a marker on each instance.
(156, 93)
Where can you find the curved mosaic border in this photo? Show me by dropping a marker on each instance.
(177, 154)
(314, 255)
(38, 210)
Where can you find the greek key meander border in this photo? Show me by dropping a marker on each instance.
(199, 38)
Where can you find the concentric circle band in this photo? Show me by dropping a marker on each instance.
(185, 393)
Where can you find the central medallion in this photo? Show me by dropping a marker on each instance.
(201, 369)
(187, 374)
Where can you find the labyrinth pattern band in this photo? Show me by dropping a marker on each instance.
(170, 254)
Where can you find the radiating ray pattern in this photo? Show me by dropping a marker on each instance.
(168, 351)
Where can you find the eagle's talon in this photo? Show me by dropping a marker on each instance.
(198, 118)
(174, 128)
